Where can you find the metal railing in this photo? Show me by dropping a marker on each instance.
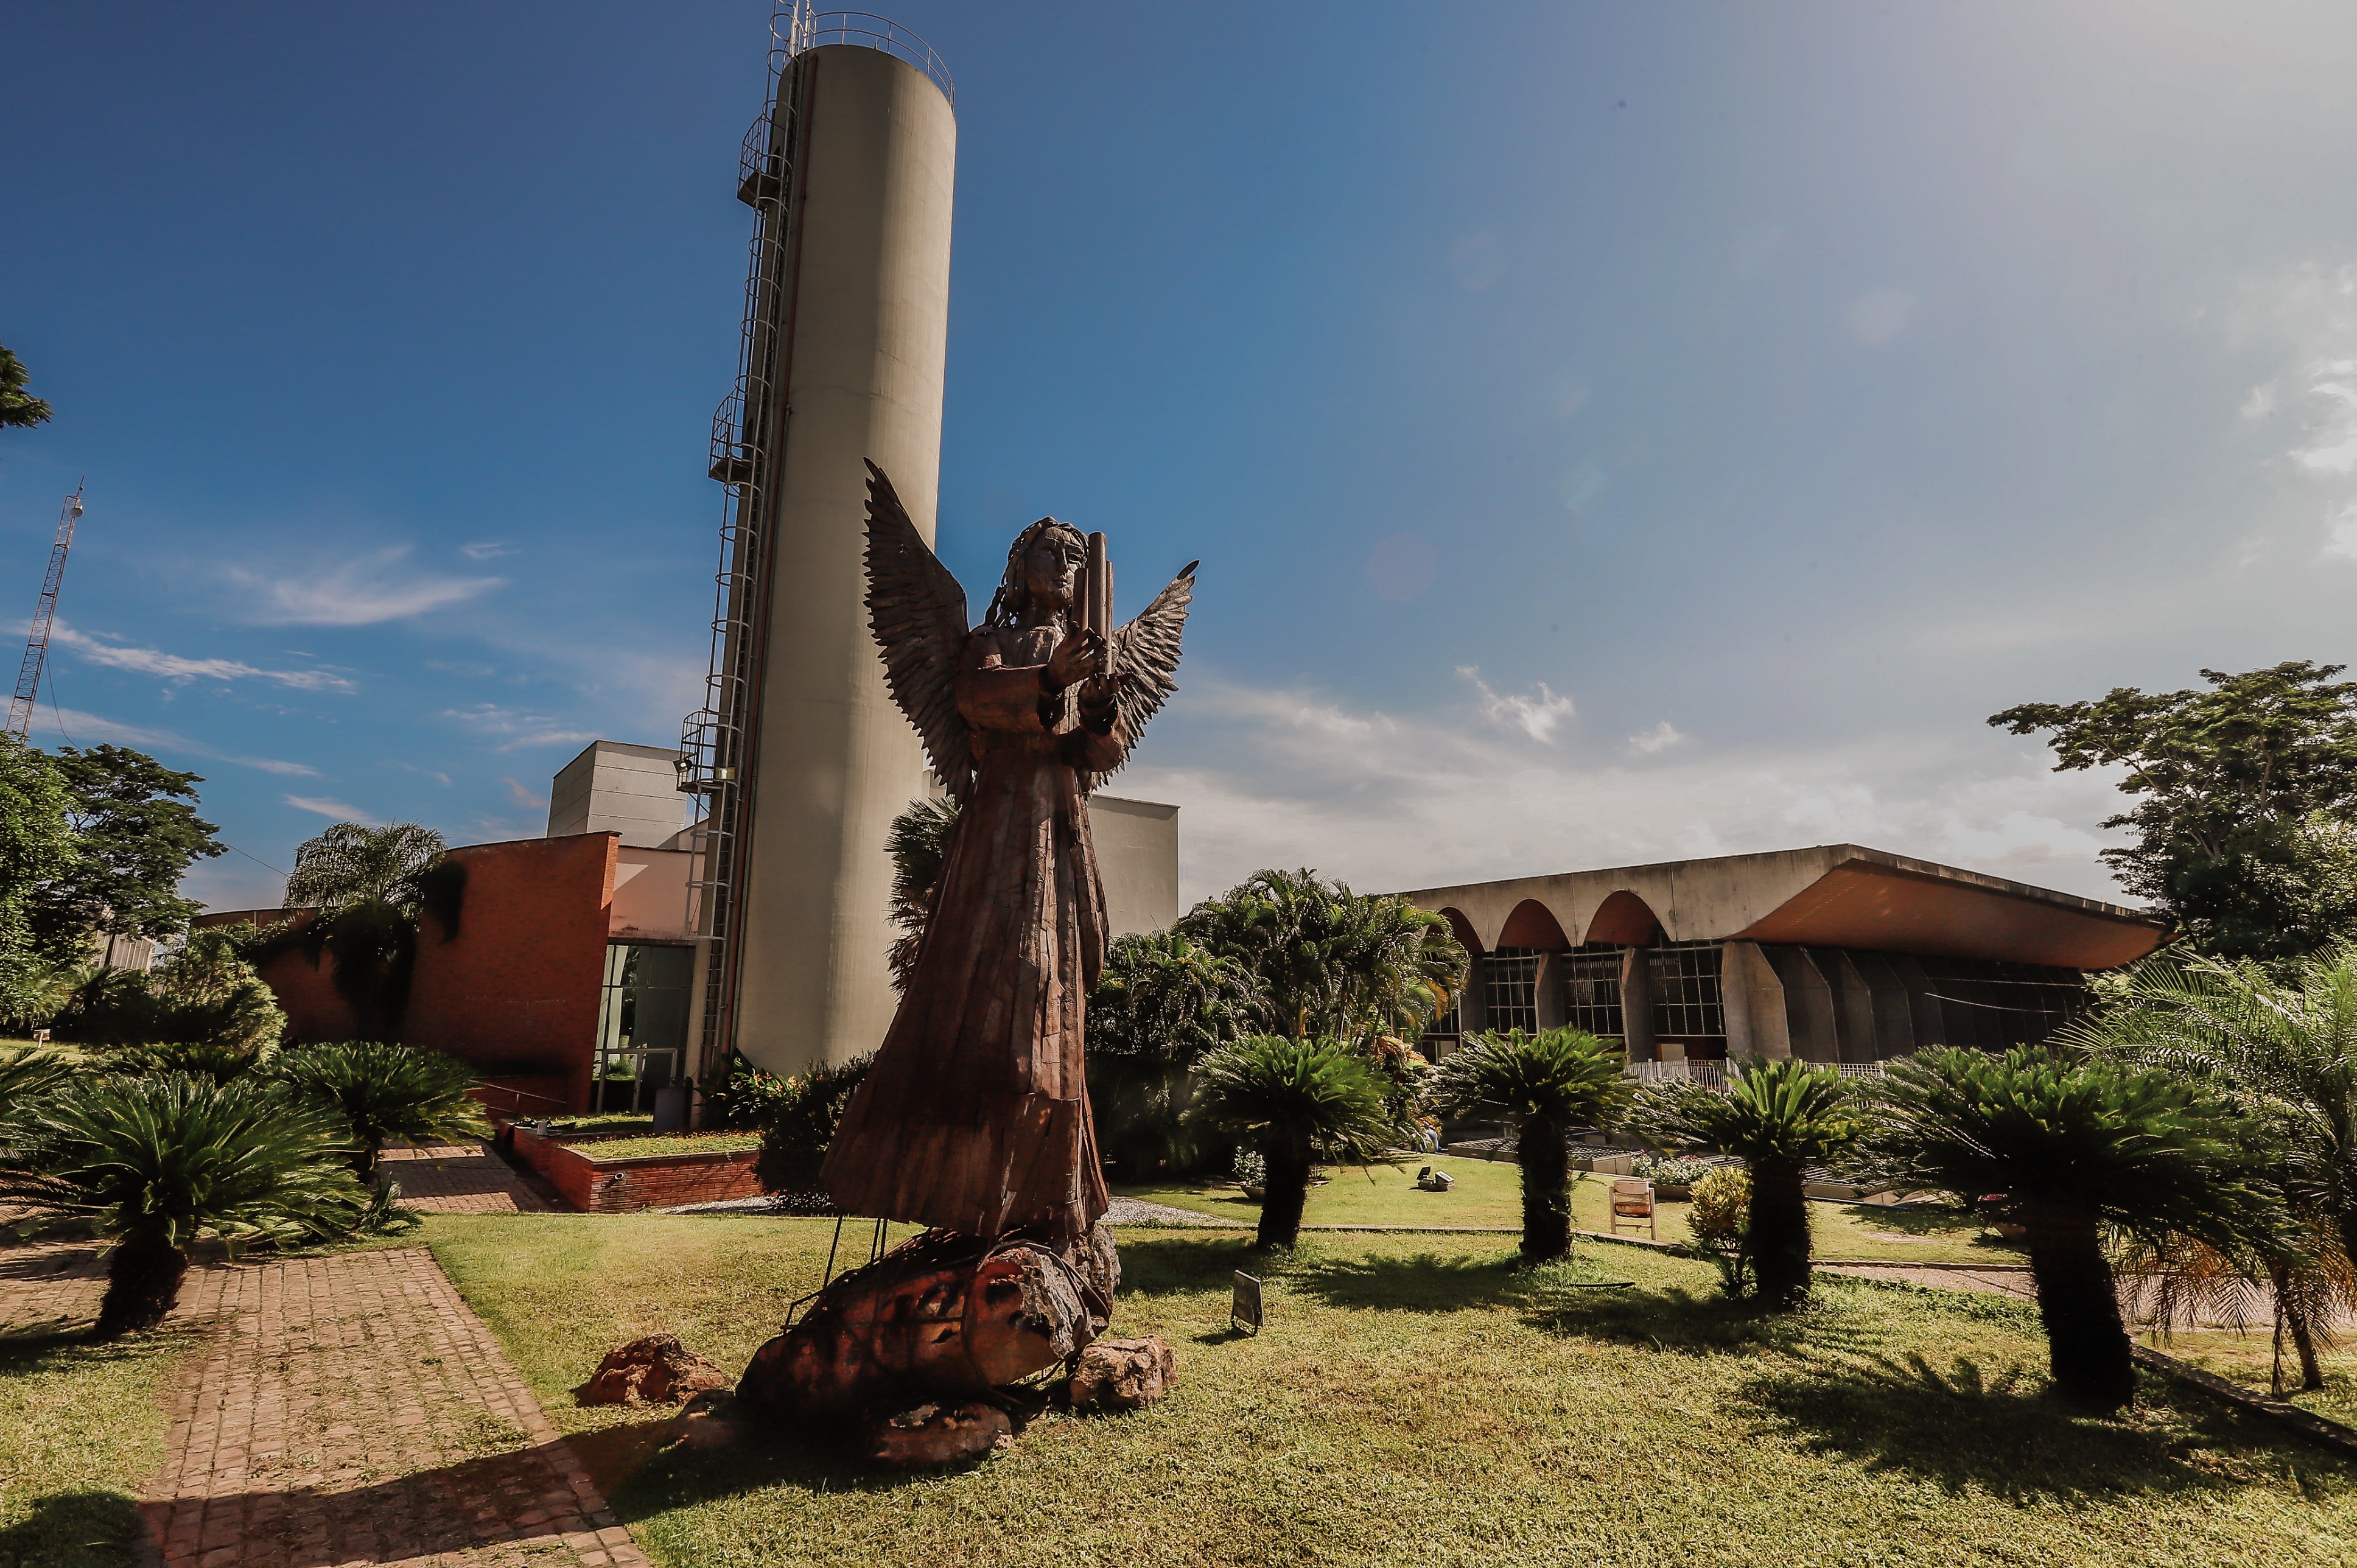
(1711, 1073)
(806, 30)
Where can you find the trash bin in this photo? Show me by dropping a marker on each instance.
(670, 1110)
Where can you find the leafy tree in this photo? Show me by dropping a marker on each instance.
(371, 886)
(136, 832)
(207, 998)
(37, 846)
(1301, 1100)
(2244, 797)
(1779, 1118)
(158, 1160)
(2282, 1044)
(20, 410)
(1549, 1083)
(1167, 998)
(2078, 1148)
(1329, 961)
(919, 844)
(385, 1092)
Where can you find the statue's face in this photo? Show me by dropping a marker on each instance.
(1051, 572)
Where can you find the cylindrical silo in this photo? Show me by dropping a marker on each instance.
(802, 756)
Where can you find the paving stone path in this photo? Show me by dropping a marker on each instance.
(340, 1411)
(462, 1178)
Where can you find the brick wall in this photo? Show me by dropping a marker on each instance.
(515, 989)
(621, 1186)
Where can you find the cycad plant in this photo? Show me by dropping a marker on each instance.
(159, 1159)
(385, 1092)
(1548, 1083)
(1299, 1101)
(2083, 1149)
(1779, 1118)
(2281, 1042)
(26, 1072)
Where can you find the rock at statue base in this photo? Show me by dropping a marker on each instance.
(1121, 1374)
(657, 1369)
(927, 1436)
(941, 1316)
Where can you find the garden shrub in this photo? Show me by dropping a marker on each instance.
(1672, 1171)
(1721, 1221)
(800, 1121)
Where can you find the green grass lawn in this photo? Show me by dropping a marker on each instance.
(669, 1144)
(81, 1428)
(2247, 1357)
(1415, 1400)
(1490, 1194)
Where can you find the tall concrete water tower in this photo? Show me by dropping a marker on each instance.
(798, 757)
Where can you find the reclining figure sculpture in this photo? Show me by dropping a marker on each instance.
(974, 1120)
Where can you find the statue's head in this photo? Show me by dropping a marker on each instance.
(1043, 572)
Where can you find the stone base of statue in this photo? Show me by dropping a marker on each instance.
(943, 1321)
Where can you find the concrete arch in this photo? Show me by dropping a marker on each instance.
(1465, 938)
(1532, 925)
(1625, 920)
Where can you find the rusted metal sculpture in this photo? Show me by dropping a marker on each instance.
(974, 1120)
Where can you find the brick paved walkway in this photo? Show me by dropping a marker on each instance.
(341, 1411)
(461, 1178)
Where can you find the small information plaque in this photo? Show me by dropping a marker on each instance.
(1244, 1312)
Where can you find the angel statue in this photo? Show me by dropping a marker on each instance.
(974, 1120)
(975, 1116)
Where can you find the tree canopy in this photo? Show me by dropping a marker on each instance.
(1326, 960)
(2245, 796)
(135, 833)
(19, 408)
(37, 845)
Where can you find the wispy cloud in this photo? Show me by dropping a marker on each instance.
(361, 592)
(2312, 311)
(516, 729)
(1660, 738)
(1393, 802)
(334, 808)
(115, 654)
(1537, 717)
(76, 727)
(487, 550)
(525, 798)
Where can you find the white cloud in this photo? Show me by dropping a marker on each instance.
(116, 655)
(516, 729)
(1386, 801)
(525, 798)
(2341, 535)
(1877, 317)
(1660, 738)
(334, 809)
(1536, 717)
(91, 729)
(487, 550)
(362, 592)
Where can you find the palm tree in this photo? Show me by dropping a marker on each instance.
(1162, 1002)
(385, 1091)
(2078, 1147)
(1779, 1118)
(1330, 961)
(158, 1159)
(1301, 1100)
(2282, 1043)
(369, 886)
(1549, 1083)
(919, 844)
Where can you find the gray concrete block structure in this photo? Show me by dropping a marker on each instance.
(614, 787)
(1137, 856)
(1835, 953)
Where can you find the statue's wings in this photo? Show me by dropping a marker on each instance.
(1145, 663)
(918, 613)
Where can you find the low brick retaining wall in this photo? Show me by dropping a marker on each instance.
(598, 1183)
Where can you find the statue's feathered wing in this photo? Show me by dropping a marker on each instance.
(917, 611)
(1145, 663)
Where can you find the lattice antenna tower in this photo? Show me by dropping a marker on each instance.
(37, 644)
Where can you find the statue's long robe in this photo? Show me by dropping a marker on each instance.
(975, 1116)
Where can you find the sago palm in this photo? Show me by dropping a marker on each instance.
(27, 1072)
(2282, 1043)
(1779, 1118)
(1549, 1083)
(161, 1159)
(385, 1092)
(2081, 1148)
(1298, 1101)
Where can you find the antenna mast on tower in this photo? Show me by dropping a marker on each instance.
(37, 645)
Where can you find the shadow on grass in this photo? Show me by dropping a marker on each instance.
(1930, 1220)
(75, 1530)
(1965, 1427)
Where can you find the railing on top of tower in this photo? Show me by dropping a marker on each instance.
(795, 29)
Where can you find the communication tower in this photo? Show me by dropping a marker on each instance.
(37, 644)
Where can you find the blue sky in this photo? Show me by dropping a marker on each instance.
(1611, 433)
